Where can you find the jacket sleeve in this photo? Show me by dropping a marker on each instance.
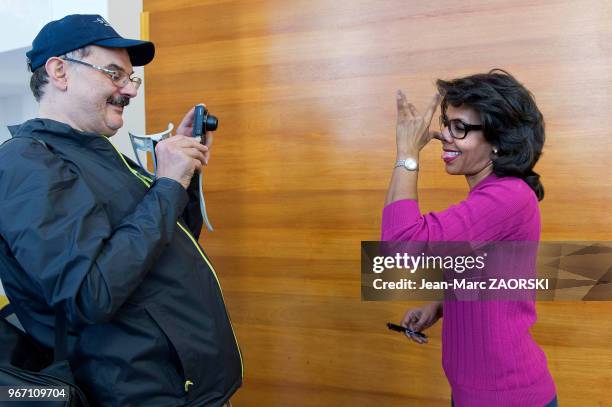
(191, 216)
(483, 216)
(62, 238)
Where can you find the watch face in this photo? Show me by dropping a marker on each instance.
(410, 164)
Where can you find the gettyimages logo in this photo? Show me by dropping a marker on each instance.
(458, 264)
(408, 271)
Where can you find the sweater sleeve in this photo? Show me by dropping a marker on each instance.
(488, 214)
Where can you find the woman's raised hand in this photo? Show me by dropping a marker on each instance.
(412, 132)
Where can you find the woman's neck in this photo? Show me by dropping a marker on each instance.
(474, 179)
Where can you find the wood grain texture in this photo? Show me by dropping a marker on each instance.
(304, 91)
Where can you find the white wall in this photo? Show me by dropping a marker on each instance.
(16, 101)
(61, 8)
(20, 21)
(13, 109)
(124, 16)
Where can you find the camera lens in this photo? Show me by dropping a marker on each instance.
(211, 123)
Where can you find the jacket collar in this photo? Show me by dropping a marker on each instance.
(47, 127)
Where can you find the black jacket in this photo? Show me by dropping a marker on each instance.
(81, 233)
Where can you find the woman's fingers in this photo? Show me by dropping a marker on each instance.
(412, 130)
(423, 322)
(413, 110)
(437, 135)
(403, 109)
(415, 321)
(409, 110)
(432, 108)
(406, 320)
(418, 339)
(418, 325)
(409, 318)
(421, 340)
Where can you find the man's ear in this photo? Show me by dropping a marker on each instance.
(56, 70)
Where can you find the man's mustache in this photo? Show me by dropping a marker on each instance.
(119, 101)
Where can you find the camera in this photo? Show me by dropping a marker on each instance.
(203, 121)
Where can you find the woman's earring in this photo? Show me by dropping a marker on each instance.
(495, 150)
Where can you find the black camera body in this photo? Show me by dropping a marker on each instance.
(203, 121)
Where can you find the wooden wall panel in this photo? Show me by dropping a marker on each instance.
(304, 90)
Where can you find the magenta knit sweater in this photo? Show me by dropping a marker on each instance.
(488, 354)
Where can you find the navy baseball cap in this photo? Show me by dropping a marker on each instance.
(79, 30)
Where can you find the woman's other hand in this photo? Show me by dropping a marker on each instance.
(419, 319)
(412, 132)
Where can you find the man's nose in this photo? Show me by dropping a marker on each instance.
(130, 90)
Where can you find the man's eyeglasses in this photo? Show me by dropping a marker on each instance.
(120, 78)
(457, 128)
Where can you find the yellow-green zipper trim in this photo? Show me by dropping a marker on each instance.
(147, 181)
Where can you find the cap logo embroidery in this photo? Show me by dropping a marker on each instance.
(102, 21)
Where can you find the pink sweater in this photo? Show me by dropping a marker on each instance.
(488, 354)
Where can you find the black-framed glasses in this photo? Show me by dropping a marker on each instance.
(457, 128)
(120, 78)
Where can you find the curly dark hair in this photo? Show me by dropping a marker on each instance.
(511, 121)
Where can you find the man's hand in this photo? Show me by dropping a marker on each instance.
(178, 157)
(186, 129)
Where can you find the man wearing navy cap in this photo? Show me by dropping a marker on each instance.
(87, 233)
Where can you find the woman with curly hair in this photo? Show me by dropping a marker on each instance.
(492, 133)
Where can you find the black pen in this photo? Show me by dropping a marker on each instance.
(407, 331)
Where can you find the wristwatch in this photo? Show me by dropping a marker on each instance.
(409, 163)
